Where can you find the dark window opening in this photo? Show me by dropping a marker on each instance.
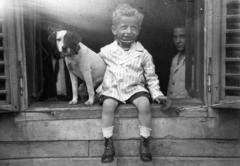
(2, 70)
(2, 96)
(2, 85)
(156, 36)
(1, 42)
(1, 55)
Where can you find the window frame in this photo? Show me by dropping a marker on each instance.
(195, 68)
(15, 53)
(22, 99)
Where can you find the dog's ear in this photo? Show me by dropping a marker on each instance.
(72, 40)
(52, 38)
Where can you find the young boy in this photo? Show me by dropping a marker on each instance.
(176, 85)
(129, 77)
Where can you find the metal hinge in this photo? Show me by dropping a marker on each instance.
(209, 82)
(209, 75)
(20, 77)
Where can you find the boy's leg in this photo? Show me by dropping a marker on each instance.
(144, 111)
(108, 109)
(145, 119)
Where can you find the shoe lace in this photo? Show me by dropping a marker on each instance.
(145, 141)
(108, 146)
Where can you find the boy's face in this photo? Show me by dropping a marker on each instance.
(179, 38)
(126, 30)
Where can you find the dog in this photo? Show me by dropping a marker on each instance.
(55, 79)
(81, 62)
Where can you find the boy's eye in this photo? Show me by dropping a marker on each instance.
(124, 27)
(134, 28)
(182, 36)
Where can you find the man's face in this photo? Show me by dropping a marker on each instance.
(126, 30)
(179, 38)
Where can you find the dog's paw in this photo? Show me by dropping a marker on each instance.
(73, 102)
(89, 102)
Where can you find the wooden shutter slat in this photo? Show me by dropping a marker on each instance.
(233, 16)
(232, 45)
(233, 1)
(232, 74)
(232, 59)
(232, 31)
(3, 77)
(3, 91)
(232, 88)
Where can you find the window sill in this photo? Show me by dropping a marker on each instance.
(62, 110)
(5, 108)
(227, 106)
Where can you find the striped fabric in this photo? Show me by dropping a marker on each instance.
(128, 72)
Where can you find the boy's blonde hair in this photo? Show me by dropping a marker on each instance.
(126, 10)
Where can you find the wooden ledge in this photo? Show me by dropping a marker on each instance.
(62, 110)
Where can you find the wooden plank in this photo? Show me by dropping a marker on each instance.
(62, 110)
(232, 59)
(174, 161)
(5, 107)
(168, 148)
(228, 107)
(125, 128)
(124, 161)
(17, 150)
(232, 30)
(233, 1)
(3, 91)
(127, 111)
(232, 74)
(56, 162)
(232, 45)
(232, 88)
(2, 63)
(3, 77)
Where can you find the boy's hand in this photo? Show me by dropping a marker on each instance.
(164, 101)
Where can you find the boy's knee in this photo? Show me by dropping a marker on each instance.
(141, 101)
(143, 104)
(109, 105)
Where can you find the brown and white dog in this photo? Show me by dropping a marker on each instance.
(81, 62)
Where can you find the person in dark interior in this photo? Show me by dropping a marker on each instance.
(176, 84)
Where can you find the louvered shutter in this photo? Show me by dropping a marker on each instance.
(231, 50)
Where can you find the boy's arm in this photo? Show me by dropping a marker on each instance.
(151, 77)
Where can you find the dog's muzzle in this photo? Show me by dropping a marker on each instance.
(65, 52)
(64, 49)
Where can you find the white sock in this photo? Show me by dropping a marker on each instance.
(107, 132)
(145, 131)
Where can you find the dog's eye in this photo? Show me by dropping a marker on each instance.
(58, 40)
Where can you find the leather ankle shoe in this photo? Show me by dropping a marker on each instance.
(109, 151)
(145, 154)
